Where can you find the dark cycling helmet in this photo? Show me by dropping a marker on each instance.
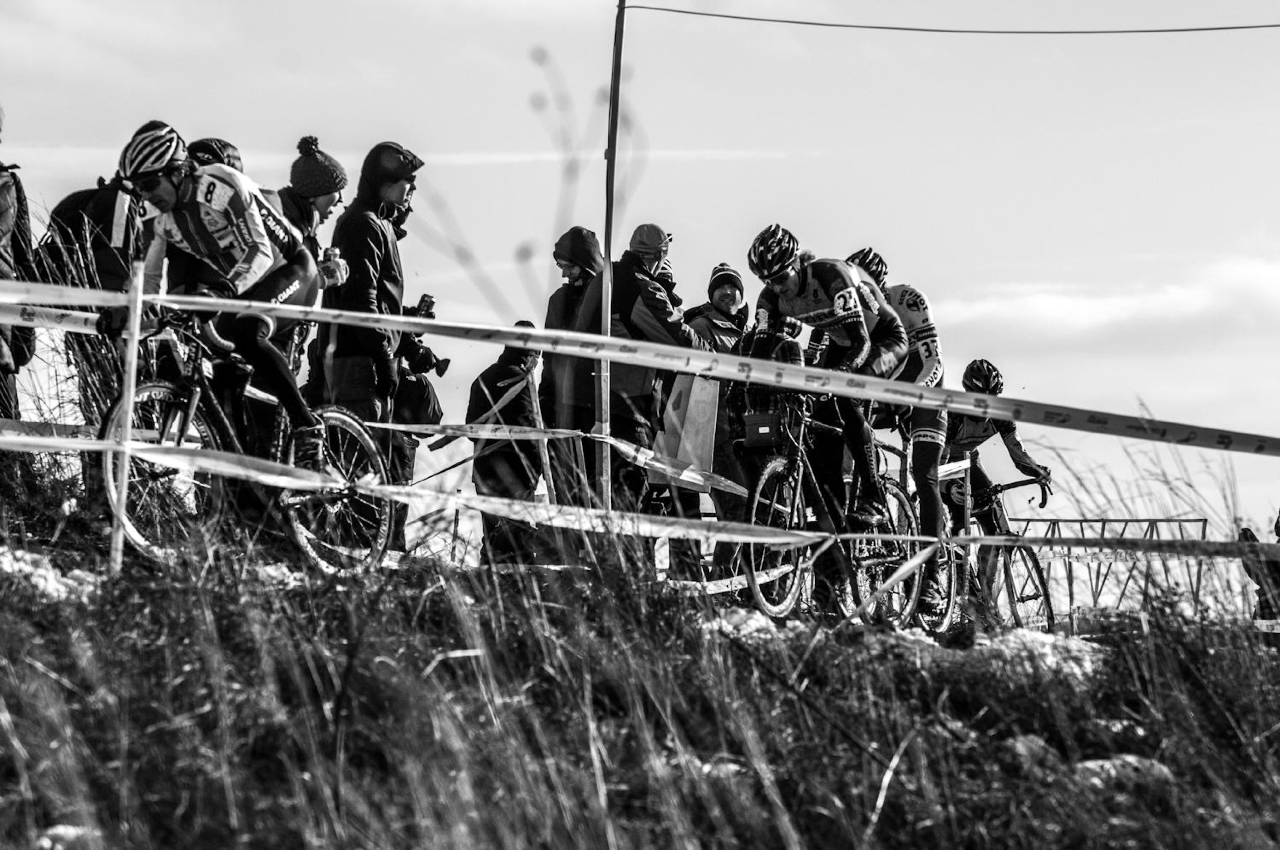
(219, 151)
(981, 377)
(772, 251)
(153, 148)
(870, 262)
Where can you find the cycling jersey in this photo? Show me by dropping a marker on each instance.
(923, 363)
(830, 299)
(222, 217)
(965, 433)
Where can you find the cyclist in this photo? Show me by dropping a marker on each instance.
(216, 214)
(922, 366)
(854, 330)
(965, 433)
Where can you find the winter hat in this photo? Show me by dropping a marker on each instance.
(315, 173)
(722, 274)
(649, 240)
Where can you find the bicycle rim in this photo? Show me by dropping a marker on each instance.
(1019, 594)
(342, 529)
(164, 506)
(953, 566)
(876, 560)
(774, 574)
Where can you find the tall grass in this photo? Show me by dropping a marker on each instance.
(208, 705)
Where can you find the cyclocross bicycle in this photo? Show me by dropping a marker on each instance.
(202, 407)
(787, 496)
(998, 587)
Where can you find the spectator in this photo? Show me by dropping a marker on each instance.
(642, 309)
(94, 237)
(360, 362)
(17, 344)
(567, 394)
(316, 181)
(722, 322)
(504, 394)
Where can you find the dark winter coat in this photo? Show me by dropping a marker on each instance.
(567, 381)
(513, 366)
(93, 238)
(301, 215)
(642, 310)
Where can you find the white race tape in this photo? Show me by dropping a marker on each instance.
(21, 428)
(46, 317)
(480, 432)
(712, 365)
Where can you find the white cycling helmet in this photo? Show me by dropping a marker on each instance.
(153, 148)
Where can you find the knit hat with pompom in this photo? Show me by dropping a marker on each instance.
(315, 173)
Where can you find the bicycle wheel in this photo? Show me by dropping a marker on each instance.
(1017, 594)
(774, 575)
(875, 561)
(953, 568)
(164, 505)
(341, 528)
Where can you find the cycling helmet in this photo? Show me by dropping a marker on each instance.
(772, 251)
(151, 150)
(981, 377)
(219, 151)
(870, 262)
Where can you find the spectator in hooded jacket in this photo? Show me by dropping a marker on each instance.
(504, 394)
(642, 309)
(17, 262)
(567, 394)
(360, 362)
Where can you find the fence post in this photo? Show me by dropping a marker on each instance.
(129, 387)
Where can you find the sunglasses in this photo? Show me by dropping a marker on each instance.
(777, 277)
(146, 184)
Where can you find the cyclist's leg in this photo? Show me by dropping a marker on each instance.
(827, 455)
(928, 433)
(251, 333)
(861, 442)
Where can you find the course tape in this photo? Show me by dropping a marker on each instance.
(480, 432)
(15, 437)
(22, 428)
(709, 364)
(46, 317)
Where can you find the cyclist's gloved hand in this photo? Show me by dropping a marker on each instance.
(112, 321)
(1044, 475)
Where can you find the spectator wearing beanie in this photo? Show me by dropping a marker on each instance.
(316, 181)
(721, 322)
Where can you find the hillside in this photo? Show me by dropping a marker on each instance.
(214, 704)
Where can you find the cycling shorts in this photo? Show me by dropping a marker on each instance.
(928, 425)
(293, 283)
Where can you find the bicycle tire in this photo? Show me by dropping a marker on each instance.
(875, 561)
(775, 575)
(342, 529)
(1019, 594)
(165, 506)
(952, 576)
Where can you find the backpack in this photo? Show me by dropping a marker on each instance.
(416, 402)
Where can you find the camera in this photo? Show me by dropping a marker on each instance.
(425, 308)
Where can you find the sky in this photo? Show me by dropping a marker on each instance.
(1094, 214)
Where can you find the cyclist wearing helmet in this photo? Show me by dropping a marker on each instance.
(854, 330)
(922, 366)
(965, 433)
(219, 216)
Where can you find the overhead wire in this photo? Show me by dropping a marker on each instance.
(947, 30)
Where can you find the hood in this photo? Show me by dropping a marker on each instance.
(386, 163)
(580, 247)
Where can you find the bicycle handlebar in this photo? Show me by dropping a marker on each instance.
(1045, 489)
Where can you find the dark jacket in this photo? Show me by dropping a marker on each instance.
(301, 215)
(367, 234)
(513, 366)
(721, 332)
(642, 310)
(569, 381)
(17, 344)
(93, 238)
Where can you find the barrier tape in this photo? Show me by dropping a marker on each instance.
(22, 428)
(14, 436)
(480, 432)
(46, 317)
(708, 364)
